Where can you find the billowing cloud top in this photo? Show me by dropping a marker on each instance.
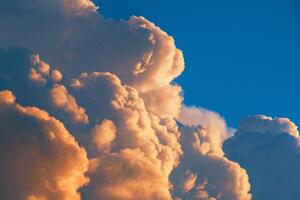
(263, 124)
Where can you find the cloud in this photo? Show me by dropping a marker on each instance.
(103, 135)
(40, 72)
(111, 84)
(263, 124)
(269, 150)
(130, 145)
(72, 36)
(36, 83)
(40, 159)
(204, 172)
(61, 98)
(194, 116)
(120, 131)
(128, 175)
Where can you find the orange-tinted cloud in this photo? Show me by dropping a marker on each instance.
(40, 159)
(131, 145)
(61, 98)
(115, 77)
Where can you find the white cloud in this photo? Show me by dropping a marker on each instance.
(204, 173)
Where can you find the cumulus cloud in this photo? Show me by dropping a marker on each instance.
(40, 159)
(269, 150)
(128, 175)
(61, 98)
(204, 173)
(111, 83)
(40, 72)
(120, 125)
(194, 116)
(36, 83)
(79, 39)
(263, 124)
(103, 135)
(131, 145)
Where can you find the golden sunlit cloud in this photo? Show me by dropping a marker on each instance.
(112, 88)
(40, 159)
(99, 116)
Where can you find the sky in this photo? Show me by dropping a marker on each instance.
(193, 101)
(242, 57)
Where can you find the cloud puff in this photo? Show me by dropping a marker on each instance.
(41, 73)
(39, 157)
(127, 175)
(263, 124)
(103, 135)
(194, 116)
(204, 173)
(36, 83)
(269, 150)
(61, 98)
(131, 145)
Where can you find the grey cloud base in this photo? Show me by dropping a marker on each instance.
(269, 150)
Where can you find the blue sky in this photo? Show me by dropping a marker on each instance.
(242, 57)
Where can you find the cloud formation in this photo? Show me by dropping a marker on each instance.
(133, 157)
(194, 116)
(204, 172)
(60, 98)
(269, 150)
(74, 37)
(132, 129)
(110, 83)
(112, 87)
(40, 159)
